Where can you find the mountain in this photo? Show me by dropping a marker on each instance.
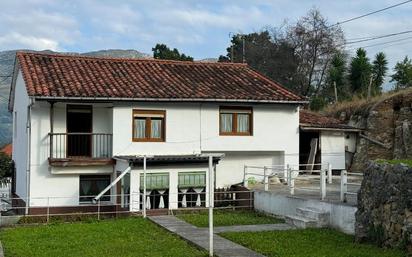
(6, 70)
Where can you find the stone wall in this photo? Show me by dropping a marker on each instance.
(384, 213)
(389, 122)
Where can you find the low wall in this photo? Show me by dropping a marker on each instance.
(342, 217)
(385, 206)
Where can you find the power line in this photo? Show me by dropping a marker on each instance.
(383, 43)
(370, 13)
(378, 37)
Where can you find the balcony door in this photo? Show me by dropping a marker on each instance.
(79, 129)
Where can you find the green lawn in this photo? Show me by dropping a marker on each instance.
(308, 243)
(118, 238)
(228, 218)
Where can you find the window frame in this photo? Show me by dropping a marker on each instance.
(148, 121)
(107, 195)
(233, 110)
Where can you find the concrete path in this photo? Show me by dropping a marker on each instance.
(200, 237)
(253, 228)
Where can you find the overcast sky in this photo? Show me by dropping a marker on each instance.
(198, 28)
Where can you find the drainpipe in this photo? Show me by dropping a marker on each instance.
(28, 163)
(51, 128)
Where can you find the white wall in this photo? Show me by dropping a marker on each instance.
(59, 182)
(333, 149)
(275, 137)
(19, 155)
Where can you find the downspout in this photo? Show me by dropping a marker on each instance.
(28, 164)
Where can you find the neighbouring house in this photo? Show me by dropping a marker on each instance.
(7, 149)
(326, 140)
(80, 122)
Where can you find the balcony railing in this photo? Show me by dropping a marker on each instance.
(80, 145)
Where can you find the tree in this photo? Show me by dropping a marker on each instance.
(379, 70)
(336, 76)
(403, 74)
(5, 165)
(161, 51)
(266, 53)
(360, 71)
(315, 43)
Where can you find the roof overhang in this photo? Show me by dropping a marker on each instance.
(314, 128)
(137, 160)
(128, 99)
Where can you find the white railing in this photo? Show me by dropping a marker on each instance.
(294, 175)
(346, 179)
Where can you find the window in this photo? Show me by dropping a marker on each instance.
(236, 121)
(92, 185)
(148, 126)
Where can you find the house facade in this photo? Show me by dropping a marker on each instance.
(80, 122)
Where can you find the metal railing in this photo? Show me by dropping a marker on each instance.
(294, 175)
(348, 179)
(80, 145)
(47, 209)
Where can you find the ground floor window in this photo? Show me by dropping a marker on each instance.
(157, 190)
(192, 189)
(92, 185)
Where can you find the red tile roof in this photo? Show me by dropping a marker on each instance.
(57, 75)
(7, 149)
(315, 120)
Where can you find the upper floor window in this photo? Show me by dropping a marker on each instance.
(149, 126)
(236, 121)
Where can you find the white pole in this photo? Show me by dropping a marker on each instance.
(330, 173)
(322, 184)
(265, 178)
(144, 186)
(211, 204)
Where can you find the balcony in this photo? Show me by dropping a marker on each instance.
(80, 149)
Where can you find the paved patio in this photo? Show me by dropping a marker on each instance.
(308, 187)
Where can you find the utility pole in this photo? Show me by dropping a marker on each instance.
(336, 91)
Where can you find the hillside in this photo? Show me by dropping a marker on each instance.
(6, 69)
(387, 124)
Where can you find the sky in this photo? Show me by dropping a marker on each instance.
(198, 28)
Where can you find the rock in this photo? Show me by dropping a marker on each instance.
(385, 206)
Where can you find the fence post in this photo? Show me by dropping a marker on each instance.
(48, 209)
(98, 209)
(322, 184)
(245, 182)
(291, 181)
(329, 173)
(285, 173)
(265, 178)
(343, 185)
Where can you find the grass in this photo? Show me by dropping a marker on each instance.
(308, 243)
(122, 237)
(229, 218)
(405, 161)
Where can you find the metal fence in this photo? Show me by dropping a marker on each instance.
(49, 209)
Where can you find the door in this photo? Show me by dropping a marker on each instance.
(79, 129)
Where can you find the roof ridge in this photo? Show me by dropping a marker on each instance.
(120, 59)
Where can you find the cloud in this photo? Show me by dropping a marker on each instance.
(17, 40)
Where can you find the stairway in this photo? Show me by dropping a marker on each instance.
(308, 217)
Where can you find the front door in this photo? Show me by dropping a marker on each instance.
(79, 129)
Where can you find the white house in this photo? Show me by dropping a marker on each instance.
(79, 122)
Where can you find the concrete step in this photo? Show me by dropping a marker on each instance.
(315, 214)
(301, 222)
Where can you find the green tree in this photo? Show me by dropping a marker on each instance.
(336, 76)
(379, 70)
(403, 74)
(360, 72)
(5, 165)
(162, 51)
